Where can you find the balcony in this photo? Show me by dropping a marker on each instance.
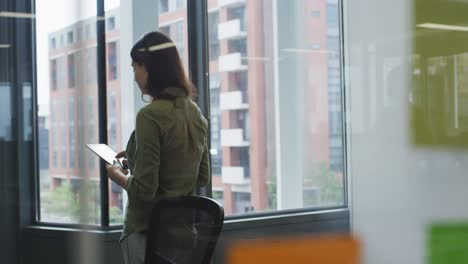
(230, 3)
(233, 138)
(231, 30)
(235, 100)
(231, 62)
(234, 175)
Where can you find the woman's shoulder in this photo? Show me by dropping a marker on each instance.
(198, 112)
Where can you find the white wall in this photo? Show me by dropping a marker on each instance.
(396, 188)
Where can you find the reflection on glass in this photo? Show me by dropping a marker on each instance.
(258, 113)
(438, 97)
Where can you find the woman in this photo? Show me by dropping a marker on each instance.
(167, 153)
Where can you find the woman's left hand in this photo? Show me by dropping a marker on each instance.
(117, 175)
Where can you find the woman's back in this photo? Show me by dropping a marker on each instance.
(167, 154)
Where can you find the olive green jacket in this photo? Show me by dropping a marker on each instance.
(168, 156)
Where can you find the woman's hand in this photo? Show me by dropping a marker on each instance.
(121, 154)
(117, 175)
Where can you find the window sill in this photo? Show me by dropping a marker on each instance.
(231, 223)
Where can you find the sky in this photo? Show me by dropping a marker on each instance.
(53, 15)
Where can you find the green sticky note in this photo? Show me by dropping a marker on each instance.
(448, 243)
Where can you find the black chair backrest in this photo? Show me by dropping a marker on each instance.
(184, 230)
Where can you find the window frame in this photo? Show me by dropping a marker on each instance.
(198, 54)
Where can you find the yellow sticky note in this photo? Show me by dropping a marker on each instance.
(438, 96)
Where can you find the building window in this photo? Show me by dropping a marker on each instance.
(80, 139)
(181, 4)
(53, 74)
(315, 13)
(112, 60)
(88, 31)
(213, 21)
(79, 34)
(163, 6)
(70, 37)
(53, 133)
(238, 46)
(112, 119)
(179, 37)
(238, 13)
(52, 43)
(91, 75)
(71, 70)
(63, 133)
(71, 134)
(111, 24)
(332, 16)
(91, 126)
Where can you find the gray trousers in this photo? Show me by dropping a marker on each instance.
(134, 247)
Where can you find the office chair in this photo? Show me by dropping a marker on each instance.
(187, 227)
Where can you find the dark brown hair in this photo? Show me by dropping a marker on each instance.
(164, 66)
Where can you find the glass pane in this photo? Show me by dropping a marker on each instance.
(276, 104)
(114, 97)
(123, 96)
(67, 97)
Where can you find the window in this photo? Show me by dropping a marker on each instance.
(213, 21)
(112, 120)
(53, 74)
(68, 187)
(238, 46)
(52, 43)
(71, 129)
(91, 71)
(163, 6)
(181, 4)
(247, 129)
(71, 70)
(79, 34)
(111, 24)
(178, 37)
(70, 37)
(271, 131)
(332, 16)
(112, 60)
(88, 31)
(53, 134)
(92, 136)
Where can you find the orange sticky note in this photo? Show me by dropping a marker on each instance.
(317, 250)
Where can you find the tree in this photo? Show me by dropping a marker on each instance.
(329, 183)
(81, 206)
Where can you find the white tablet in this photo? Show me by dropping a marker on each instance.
(105, 152)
